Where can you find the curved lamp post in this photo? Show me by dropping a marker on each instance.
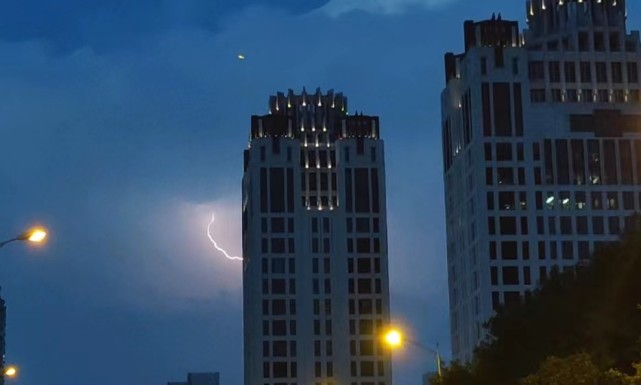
(35, 235)
(394, 339)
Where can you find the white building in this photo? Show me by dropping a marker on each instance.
(542, 151)
(315, 277)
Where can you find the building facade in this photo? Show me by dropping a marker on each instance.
(315, 277)
(542, 151)
(200, 379)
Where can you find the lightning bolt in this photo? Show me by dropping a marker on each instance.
(220, 249)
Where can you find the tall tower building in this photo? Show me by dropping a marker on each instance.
(542, 151)
(315, 278)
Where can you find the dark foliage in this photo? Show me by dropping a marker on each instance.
(592, 308)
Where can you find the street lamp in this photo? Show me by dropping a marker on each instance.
(11, 372)
(393, 338)
(35, 235)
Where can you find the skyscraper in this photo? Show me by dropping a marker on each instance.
(542, 151)
(315, 281)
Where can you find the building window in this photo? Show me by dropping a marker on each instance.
(601, 72)
(599, 42)
(598, 227)
(537, 95)
(586, 72)
(570, 72)
(617, 72)
(483, 66)
(633, 72)
(555, 71)
(614, 225)
(536, 70)
(504, 151)
(557, 95)
(615, 42)
(584, 41)
(510, 275)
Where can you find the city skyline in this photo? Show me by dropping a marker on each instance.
(124, 143)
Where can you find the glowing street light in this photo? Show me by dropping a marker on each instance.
(11, 372)
(35, 235)
(393, 338)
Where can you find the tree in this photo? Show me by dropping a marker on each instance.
(577, 369)
(591, 308)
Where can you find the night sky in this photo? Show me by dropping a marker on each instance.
(123, 125)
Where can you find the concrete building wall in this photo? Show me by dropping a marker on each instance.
(316, 291)
(542, 152)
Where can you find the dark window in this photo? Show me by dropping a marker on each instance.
(582, 225)
(633, 72)
(502, 109)
(510, 275)
(509, 250)
(487, 116)
(506, 200)
(566, 225)
(586, 72)
(601, 72)
(279, 328)
(504, 151)
(562, 162)
(625, 164)
(614, 225)
(494, 272)
(617, 72)
(535, 70)
(537, 95)
(599, 42)
(483, 66)
(567, 249)
(361, 177)
(541, 248)
(578, 161)
(367, 369)
(609, 163)
(490, 201)
(508, 225)
(598, 226)
(527, 278)
(584, 41)
(570, 72)
(615, 42)
(491, 225)
(277, 190)
(505, 176)
(555, 71)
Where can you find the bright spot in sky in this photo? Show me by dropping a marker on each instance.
(211, 238)
(241, 56)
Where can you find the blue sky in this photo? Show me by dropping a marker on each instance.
(123, 125)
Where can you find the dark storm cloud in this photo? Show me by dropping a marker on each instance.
(110, 24)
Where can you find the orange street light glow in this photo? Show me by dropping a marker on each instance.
(37, 235)
(393, 338)
(11, 371)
